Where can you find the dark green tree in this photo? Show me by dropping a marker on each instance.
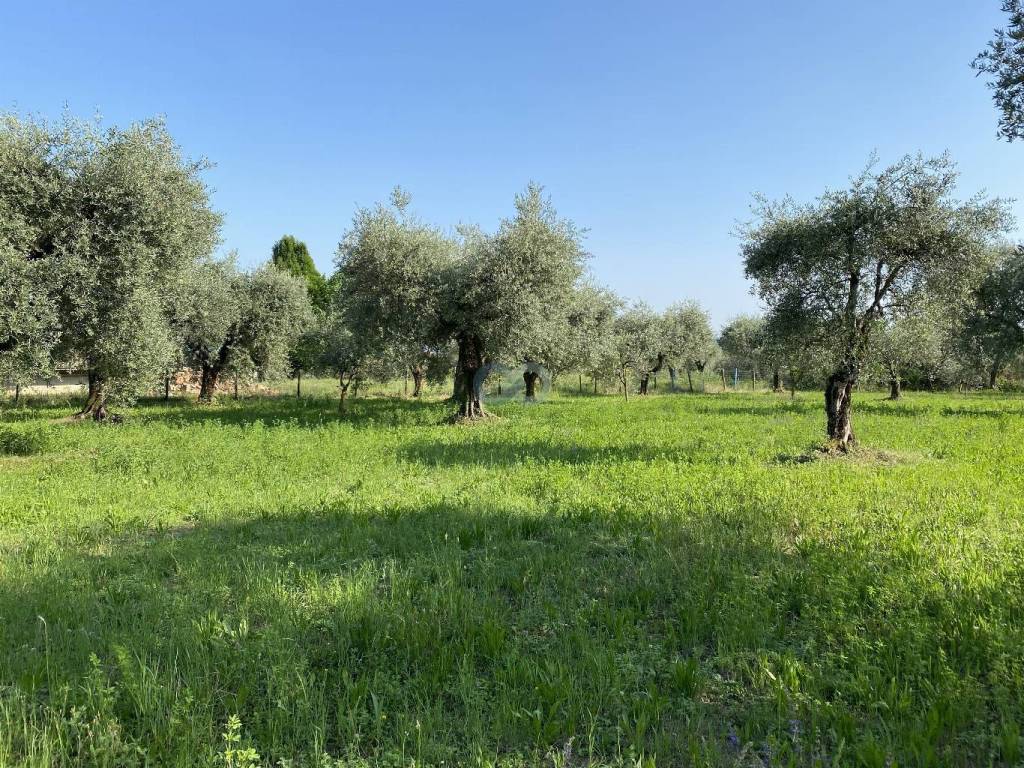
(291, 254)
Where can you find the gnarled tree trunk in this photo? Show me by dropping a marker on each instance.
(96, 402)
(210, 372)
(471, 360)
(646, 378)
(342, 391)
(993, 373)
(838, 396)
(208, 376)
(418, 374)
(895, 388)
(531, 378)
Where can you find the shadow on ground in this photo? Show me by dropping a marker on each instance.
(456, 629)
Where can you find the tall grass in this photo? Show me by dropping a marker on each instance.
(676, 580)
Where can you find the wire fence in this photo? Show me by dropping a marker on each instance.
(710, 380)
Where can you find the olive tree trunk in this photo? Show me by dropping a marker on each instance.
(96, 401)
(531, 378)
(342, 391)
(895, 388)
(208, 376)
(471, 360)
(838, 397)
(993, 373)
(418, 375)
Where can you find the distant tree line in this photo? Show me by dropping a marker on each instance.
(107, 239)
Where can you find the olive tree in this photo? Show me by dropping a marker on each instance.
(855, 255)
(911, 339)
(572, 339)
(406, 284)
(28, 319)
(742, 342)
(638, 345)
(797, 343)
(114, 215)
(331, 348)
(28, 322)
(390, 266)
(687, 340)
(1003, 61)
(240, 321)
(594, 332)
(499, 293)
(993, 329)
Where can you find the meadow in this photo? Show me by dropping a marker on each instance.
(677, 580)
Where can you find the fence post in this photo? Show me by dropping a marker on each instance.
(735, 378)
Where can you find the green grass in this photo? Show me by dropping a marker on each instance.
(677, 580)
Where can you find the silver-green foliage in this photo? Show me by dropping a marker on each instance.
(409, 290)
(688, 339)
(638, 341)
(114, 215)
(391, 267)
(28, 318)
(241, 321)
(853, 256)
(1003, 61)
(742, 341)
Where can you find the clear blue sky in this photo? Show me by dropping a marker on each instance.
(650, 124)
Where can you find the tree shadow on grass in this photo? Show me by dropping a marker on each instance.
(456, 627)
